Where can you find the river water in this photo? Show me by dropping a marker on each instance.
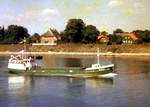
(130, 88)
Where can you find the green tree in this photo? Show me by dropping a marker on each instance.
(2, 34)
(118, 30)
(90, 34)
(144, 36)
(74, 31)
(116, 37)
(15, 34)
(104, 33)
(35, 38)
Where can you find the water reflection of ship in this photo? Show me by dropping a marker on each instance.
(18, 87)
(75, 90)
(18, 82)
(90, 82)
(78, 88)
(95, 83)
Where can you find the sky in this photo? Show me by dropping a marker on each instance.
(40, 15)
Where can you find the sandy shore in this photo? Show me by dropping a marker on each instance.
(79, 49)
(78, 53)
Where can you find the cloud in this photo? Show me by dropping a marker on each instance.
(77, 8)
(124, 7)
(36, 13)
(139, 8)
(115, 3)
(32, 17)
(49, 11)
(129, 8)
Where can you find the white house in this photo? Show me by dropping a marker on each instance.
(51, 37)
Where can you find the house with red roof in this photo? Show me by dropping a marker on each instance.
(129, 37)
(103, 38)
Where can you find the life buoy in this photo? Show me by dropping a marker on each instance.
(13, 61)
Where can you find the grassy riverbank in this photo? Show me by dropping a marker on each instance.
(144, 48)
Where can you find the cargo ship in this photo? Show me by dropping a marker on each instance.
(22, 64)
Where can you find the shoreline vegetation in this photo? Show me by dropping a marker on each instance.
(79, 49)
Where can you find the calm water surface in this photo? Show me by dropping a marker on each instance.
(130, 88)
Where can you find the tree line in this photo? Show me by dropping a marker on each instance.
(13, 34)
(76, 31)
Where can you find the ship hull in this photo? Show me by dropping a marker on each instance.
(82, 73)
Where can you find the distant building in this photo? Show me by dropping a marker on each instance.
(51, 37)
(129, 38)
(103, 38)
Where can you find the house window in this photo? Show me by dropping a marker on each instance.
(45, 41)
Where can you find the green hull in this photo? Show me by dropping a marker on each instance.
(62, 72)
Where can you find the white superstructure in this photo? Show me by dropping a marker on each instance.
(99, 67)
(19, 63)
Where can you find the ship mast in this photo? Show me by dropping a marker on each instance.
(98, 62)
(24, 43)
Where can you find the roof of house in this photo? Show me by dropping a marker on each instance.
(51, 33)
(133, 36)
(102, 36)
